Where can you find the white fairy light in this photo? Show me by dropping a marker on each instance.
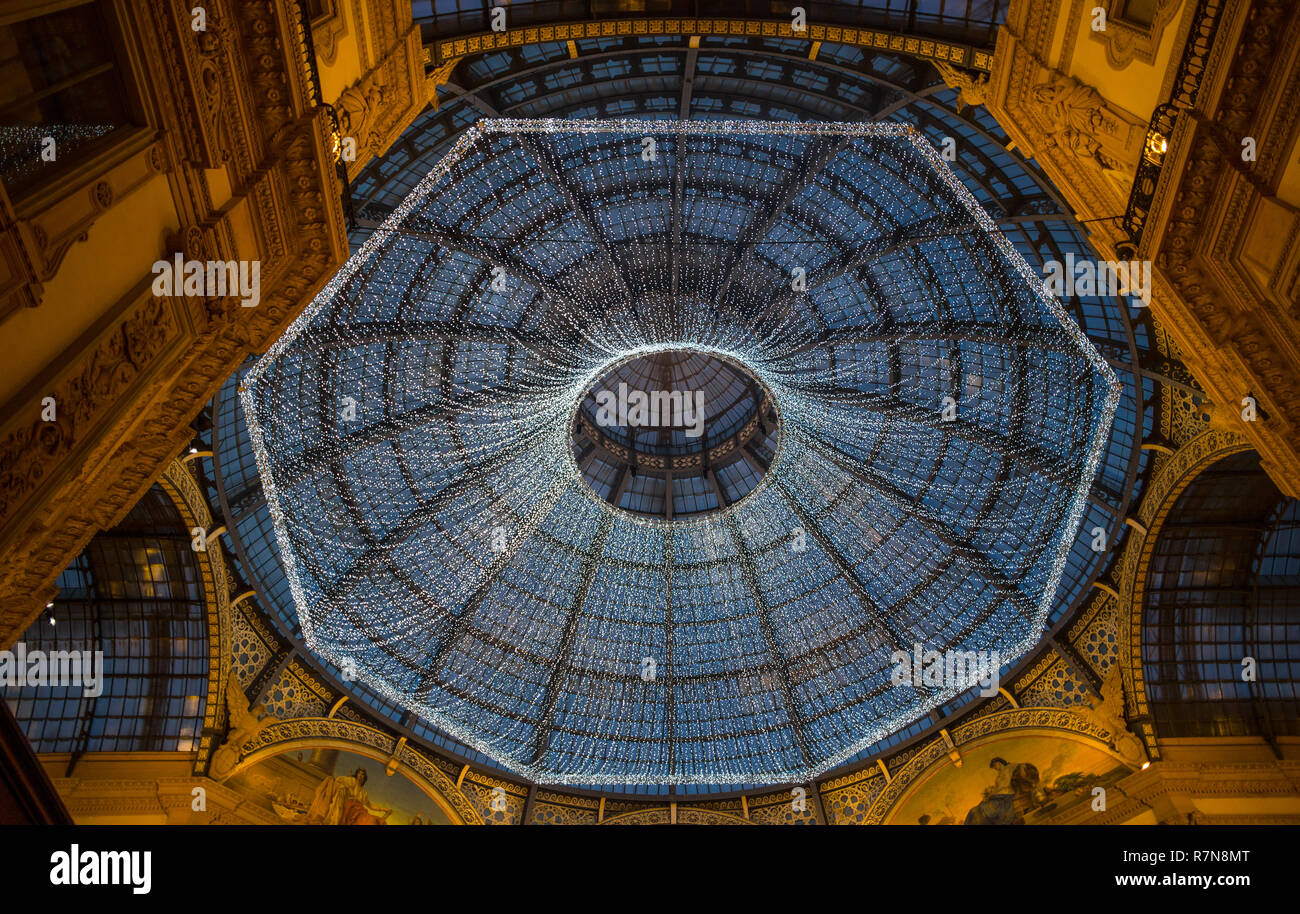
(444, 542)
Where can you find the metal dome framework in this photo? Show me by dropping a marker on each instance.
(729, 77)
(772, 662)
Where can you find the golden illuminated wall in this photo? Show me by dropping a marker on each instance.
(229, 156)
(245, 169)
(1218, 214)
(371, 70)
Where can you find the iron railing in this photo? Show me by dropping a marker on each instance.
(1187, 85)
(307, 48)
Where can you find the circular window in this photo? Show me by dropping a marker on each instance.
(674, 434)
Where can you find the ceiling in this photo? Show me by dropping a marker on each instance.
(437, 533)
(747, 78)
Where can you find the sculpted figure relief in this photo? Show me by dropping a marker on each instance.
(970, 89)
(1076, 115)
(357, 108)
(246, 722)
(1108, 713)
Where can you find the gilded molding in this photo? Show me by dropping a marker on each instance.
(446, 53)
(1125, 40)
(1239, 334)
(87, 397)
(327, 30)
(1151, 788)
(686, 815)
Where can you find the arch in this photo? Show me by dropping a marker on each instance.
(1224, 568)
(334, 733)
(184, 492)
(1053, 723)
(1134, 564)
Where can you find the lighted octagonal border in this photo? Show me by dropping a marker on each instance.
(764, 687)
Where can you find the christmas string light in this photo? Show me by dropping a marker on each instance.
(940, 422)
(26, 149)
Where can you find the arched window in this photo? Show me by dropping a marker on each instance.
(136, 594)
(1225, 585)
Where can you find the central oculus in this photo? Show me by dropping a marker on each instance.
(675, 434)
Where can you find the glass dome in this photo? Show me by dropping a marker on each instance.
(941, 421)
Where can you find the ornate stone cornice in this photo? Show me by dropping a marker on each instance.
(1239, 329)
(1240, 337)
(170, 798)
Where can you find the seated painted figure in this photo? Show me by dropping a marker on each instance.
(344, 801)
(1012, 794)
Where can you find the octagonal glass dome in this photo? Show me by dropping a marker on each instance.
(445, 535)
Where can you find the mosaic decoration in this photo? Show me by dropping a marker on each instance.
(248, 651)
(941, 422)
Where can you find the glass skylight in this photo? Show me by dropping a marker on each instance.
(941, 422)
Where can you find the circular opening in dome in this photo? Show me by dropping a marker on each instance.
(675, 434)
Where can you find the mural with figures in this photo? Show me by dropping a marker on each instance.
(1015, 780)
(334, 787)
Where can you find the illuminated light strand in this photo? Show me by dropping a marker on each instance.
(443, 541)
